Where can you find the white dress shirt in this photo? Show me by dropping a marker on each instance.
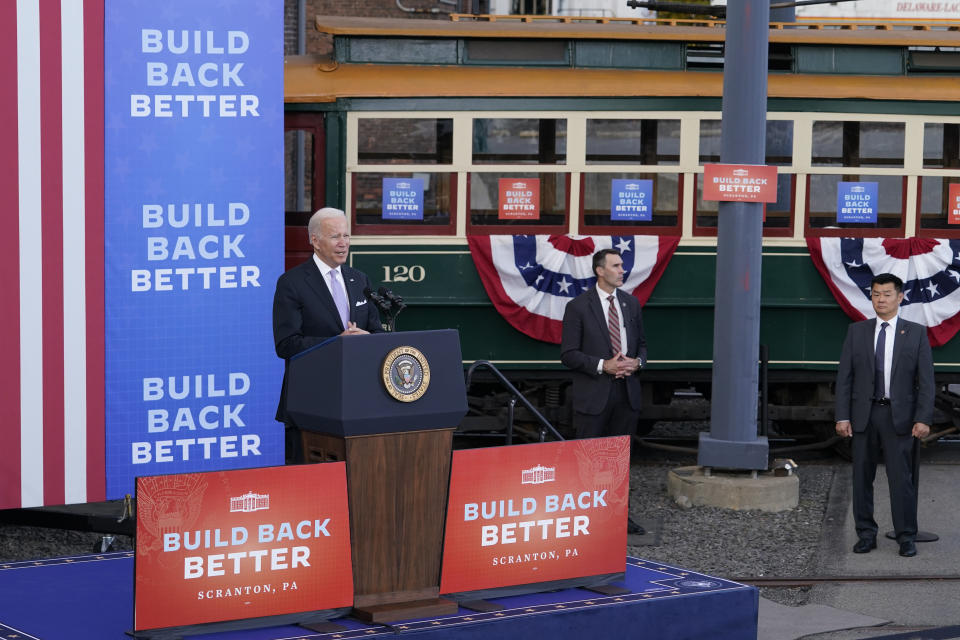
(887, 350)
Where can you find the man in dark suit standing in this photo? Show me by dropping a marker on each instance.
(604, 345)
(319, 299)
(885, 392)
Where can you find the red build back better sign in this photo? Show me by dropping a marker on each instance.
(953, 203)
(739, 182)
(535, 513)
(519, 199)
(241, 544)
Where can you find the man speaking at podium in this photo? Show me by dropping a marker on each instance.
(319, 299)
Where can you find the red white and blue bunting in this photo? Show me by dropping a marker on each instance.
(929, 268)
(530, 279)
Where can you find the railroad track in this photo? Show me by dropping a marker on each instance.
(785, 446)
(812, 581)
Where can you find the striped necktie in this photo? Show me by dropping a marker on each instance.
(613, 325)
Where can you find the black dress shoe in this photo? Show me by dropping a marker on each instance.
(634, 529)
(908, 549)
(865, 545)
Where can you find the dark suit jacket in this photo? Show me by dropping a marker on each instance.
(586, 340)
(911, 376)
(305, 315)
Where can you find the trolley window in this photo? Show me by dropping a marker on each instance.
(520, 202)
(519, 141)
(779, 142)
(941, 145)
(304, 188)
(857, 144)
(624, 141)
(778, 216)
(404, 140)
(299, 199)
(599, 203)
(937, 213)
(372, 214)
(822, 205)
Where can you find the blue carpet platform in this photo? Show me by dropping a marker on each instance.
(91, 597)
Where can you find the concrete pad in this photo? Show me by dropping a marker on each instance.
(780, 622)
(909, 603)
(936, 513)
(729, 490)
(905, 604)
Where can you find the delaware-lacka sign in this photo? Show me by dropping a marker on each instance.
(238, 544)
(740, 182)
(536, 513)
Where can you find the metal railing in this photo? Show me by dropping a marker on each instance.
(515, 395)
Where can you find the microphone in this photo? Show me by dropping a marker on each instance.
(382, 304)
(394, 299)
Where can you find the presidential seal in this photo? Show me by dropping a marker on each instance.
(406, 374)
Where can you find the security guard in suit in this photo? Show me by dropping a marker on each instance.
(885, 390)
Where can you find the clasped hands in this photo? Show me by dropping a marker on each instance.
(620, 366)
(920, 430)
(353, 330)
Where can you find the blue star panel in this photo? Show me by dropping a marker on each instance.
(663, 602)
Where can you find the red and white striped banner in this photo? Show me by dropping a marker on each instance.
(51, 253)
(530, 279)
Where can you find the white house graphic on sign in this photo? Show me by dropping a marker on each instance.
(538, 475)
(250, 501)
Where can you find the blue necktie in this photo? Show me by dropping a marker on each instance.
(879, 389)
(339, 299)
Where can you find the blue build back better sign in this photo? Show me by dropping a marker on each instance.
(403, 198)
(631, 200)
(193, 236)
(857, 202)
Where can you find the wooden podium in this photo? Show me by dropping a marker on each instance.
(397, 455)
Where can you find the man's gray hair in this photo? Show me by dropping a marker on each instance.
(313, 227)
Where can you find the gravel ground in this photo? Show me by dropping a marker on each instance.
(732, 544)
(18, 543)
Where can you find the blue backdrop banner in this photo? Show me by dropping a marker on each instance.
(193, 236)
